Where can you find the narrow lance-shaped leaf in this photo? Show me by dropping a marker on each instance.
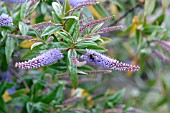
(50, 30)
(23, 11)
(9, 48)
(23, 28)
(57, 8)
(72, 68)
(149, 7)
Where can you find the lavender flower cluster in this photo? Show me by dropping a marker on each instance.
(107, 62)
(5, 20)
(47, 58)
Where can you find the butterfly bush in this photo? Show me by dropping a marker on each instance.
(5, 20)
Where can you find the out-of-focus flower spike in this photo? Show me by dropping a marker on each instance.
(164, 44)
(49, 57)
(94, 72)
(77, 63)
(21, 37)
(72, 100)
(160, 56)
(83, 4)
(5, 20)
(94, 22)
(17, 1)
(41, 25)
(96, 58)
(108, 29)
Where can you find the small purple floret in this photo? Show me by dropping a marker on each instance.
(47, 58)
(5, 20)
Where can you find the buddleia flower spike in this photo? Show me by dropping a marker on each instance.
(49, 57)
(5, 20)
(96, 58)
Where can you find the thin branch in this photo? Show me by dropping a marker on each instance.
(141, 2)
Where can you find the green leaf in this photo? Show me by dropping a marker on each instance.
(66, 6)
(16, 18)
(39, 106)
(97, 27)
(44, 8)
(19, 93)
(37, 33)
(23, 11)
(101, 10)
(50, 30)
(119, 4)
(29, 107)
(60, 94)
(3, 108)
(114, 99)
(83, 46)
(167, 23)
(32, 8)
(138, 39)
(51, 96)
(71, 17)
(149, 7)
(159, 20)
(56, 18)
(72, 68)
(165, 4)
(9, 48)
(2, 87)
(57, 8)
(65, 37)
(36, 44)
(85, 67)
(34, 52)
(161, 102)
(23, 28)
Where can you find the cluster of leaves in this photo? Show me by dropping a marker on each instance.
(40, 90)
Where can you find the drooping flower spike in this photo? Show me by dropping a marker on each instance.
(21, 37)
(41, 25)
(5, 20)
(96, 58)
(49, 57)
(108, 29)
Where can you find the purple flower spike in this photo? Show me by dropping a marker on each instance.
(76, 2)
(17, 1)
(49, 57)
(5, 20)
(96, 58)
